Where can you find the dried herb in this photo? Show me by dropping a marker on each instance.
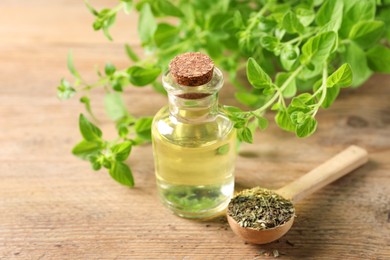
(275, 253)
(259, 209)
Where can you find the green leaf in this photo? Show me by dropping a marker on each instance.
(107, 24)
(213, 47)
(159, 88)
(357, 59)
(306, 16)
(117, 85)
(333, 25)
(89, 131)
(384, 15)
(269, 43)
(267, 24)
(318, 48)
(307, 97)
(239, 123)
(262, 122)
(96, 165)
(224, 149)
(283, 120)
(140, 76)
(130, 53)
(245, 135)
(71, 67)
(330, 14)
(168, 8)
(123, 131)
(106, 163)
(237, 20)
(90, 8)
(143, 127)
(288, 56)
(123, 124)
(270, 90)
(104, 13)
(306, 128)
(146, 24)
(301, 100)
(109, 69)
(342, 77)
(86, 149)
(65, 91)
(256, 75)
(276, 107)
(379, 59)
(114, 106)
(121, 173)
(331, 95)
(128, 5)
(220, 22)
(355, 11)
(310, 72)
(291, 88)
(97, 25)
(232, 109)
(121, 151)
(298, 117)
(367, 33)
(165, 34)
(291, 23)
(87, 102)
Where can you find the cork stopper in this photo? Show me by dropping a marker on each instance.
(192, 69)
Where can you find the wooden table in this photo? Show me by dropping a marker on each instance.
(53, 206)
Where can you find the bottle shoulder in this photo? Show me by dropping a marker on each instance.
(174, 130)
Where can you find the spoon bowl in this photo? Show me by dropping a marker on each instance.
(263, 236)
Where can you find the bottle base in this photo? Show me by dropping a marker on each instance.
(201, 215)
(196, 202)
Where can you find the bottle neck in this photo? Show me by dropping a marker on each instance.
(193, 103)
(195, 108)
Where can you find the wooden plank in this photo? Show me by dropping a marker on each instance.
(53, 206)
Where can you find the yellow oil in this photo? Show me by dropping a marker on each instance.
(194, 164)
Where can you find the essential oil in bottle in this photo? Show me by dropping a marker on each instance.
(194, 144)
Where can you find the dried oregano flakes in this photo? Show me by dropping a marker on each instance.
(260, 209)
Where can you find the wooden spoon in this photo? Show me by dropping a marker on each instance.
(336, 167)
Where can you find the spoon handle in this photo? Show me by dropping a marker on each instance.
(336, 167)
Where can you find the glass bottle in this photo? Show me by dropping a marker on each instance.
(194, 144)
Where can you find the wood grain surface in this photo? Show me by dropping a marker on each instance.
(53, 206)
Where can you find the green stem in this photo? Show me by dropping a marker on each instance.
(281, 89)
(323, 88)
(317, 92)
(100, 83)
(116, 9)
(257, 16)
(300, 38)
(253, 21)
